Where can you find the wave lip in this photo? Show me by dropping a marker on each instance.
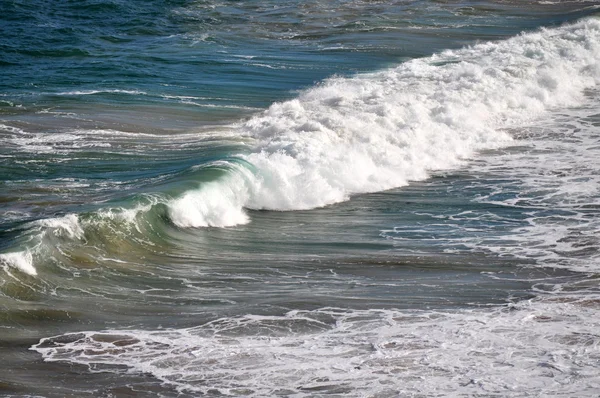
(213, 205)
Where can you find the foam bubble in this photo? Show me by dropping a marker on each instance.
(106, 91)
(54, 142)
(11, 129)
(558, 191)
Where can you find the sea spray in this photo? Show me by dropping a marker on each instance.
(22, 261)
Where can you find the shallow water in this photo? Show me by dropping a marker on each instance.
(299, 199)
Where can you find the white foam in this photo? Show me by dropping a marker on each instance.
(76, 140)
(215, 204)
(110, 133)
(558, 192)
(69, 141)
(13, 215)
(121, 214)
(65, 226)
(11, 129)
(22, 261)
(379, 131)
(107, 91)
(530, 348)
(538, 201)
(201, 101)
(46, 142)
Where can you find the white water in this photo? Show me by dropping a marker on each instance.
(99, 140)
(530, 348)
(21, 261)
(379, 131)
(541, 197)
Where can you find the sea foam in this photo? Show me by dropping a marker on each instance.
(22, 261)
(523, 349)
(379, 131)
(65, 226)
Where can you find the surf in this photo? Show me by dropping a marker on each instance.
(354, 135)
(382, 130)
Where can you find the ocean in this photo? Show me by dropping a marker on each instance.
(342, 198)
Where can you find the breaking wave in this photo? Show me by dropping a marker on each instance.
(382, 130)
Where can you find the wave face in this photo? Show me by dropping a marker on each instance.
(378, 131)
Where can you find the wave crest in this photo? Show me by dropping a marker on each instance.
(382, 130)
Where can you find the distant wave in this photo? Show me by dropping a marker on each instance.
(107, 91)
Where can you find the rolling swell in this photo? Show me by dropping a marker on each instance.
(344, 137)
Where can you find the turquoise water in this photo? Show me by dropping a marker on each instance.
(299, 198)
